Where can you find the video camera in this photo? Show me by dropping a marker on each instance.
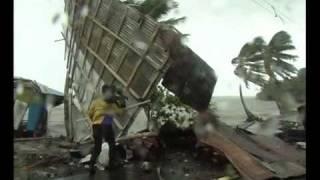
(120, 98)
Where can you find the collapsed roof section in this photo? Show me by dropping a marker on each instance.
(108, 42)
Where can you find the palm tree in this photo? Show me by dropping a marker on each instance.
(262, 63)
(267, 65)
(157, 9)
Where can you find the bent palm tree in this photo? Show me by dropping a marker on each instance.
(250, 116)
(267, 64)
(262, 63)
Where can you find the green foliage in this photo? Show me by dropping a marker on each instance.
(260, 63)
(157, 9)
(295, 86)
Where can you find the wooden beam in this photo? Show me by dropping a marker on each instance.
(85, 114)
(123, 41)
(90, 34)
(99, 41)
(137, 105)
(107, 66)
(71, 34)
(71, 130)
(31, 139)
(153, 37)
(115, 35)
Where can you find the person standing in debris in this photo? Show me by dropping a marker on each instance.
(101, 113)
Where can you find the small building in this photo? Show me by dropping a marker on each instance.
(33, 102)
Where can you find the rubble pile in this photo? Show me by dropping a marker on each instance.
(44, 159)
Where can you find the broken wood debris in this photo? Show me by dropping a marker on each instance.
(139, 135)
(43, 162)
(31, 139)
(245, 163)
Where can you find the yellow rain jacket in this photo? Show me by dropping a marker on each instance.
(99, 108)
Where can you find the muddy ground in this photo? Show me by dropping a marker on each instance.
(51, 159)
(44, 159)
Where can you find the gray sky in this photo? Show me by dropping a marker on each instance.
(218, 28)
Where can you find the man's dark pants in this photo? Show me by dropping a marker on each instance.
(101, 131)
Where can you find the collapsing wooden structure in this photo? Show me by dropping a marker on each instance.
(108, 42)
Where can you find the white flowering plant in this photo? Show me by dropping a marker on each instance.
(167, 107)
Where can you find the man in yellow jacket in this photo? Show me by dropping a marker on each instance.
(101, 114)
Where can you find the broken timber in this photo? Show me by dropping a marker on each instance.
(256, 156)
(245, 163)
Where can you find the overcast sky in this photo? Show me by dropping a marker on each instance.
(218, 28)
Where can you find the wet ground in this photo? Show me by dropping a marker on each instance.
(43, 159)
(46, 159)
(176, 165)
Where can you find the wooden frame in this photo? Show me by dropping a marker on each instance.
(124, 37)
(109, 53)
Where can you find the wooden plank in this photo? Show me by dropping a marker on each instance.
(246, 164)
(99, 43)
(84, 114)
(71, 35)
(109, 53)
(66, 108)
(159, 74)
(140, 61)
(66, 41)
(94, 60)
(115, 35)
(71, 130)
(270, 149)
(124, 42)
(90, 34)
(106, 66)
(31, 139)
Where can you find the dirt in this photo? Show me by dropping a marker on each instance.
(50, 159)
(43, 159)
(176, 164)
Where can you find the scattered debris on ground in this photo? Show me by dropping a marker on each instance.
(43, 159)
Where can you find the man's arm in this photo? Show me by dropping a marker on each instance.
(118, 111)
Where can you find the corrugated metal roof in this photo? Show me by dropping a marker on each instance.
(46, 90)
(43, 88)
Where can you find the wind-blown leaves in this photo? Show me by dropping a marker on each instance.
(256, 57)
(284, 56)
(280, 40)
(174, 21)
(157, 9)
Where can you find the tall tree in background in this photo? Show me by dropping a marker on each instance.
(267, 64)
